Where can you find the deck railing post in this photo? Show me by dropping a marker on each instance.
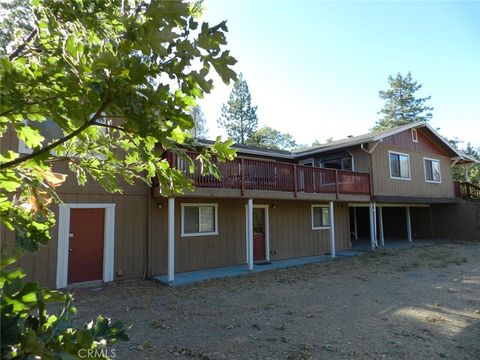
(295, 180)
(242, 176)
(250, 234)
(337, 190)
(171, 239)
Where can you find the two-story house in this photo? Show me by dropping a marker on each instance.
(268, 206)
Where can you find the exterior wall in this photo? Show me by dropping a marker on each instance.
(290, 226)
(361, 159)
(417, 186)
(424, 144)
(457, 221)
(131, 218)
(130, 238)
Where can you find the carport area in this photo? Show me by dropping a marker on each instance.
(387, 224)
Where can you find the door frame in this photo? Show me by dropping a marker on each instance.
(267, 231)
(63, 240)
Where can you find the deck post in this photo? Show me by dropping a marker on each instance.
(250, 234)
(242, 176)
(337, 190)
(332, 231)
(380, 225)
(409, 225)
(373, 235)
(295, 181)
(171, 239)
(355, 229)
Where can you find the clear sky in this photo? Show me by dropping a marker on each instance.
(314, 68)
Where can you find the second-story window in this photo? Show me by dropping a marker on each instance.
(432, 170)
(399, 166)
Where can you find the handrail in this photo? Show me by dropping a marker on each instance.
(466, 190)
(255, 174)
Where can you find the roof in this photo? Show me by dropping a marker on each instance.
(353, 141)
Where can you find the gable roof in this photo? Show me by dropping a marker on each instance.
(379, 136)
(373, 136)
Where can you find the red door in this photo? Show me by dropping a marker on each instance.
(85, 257)
(259, 234)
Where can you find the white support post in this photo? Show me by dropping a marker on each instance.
(409, 225)
(355, 228)
(332, 231)
(371, 208)
(380, 225)
(171, 239)
(250, 233)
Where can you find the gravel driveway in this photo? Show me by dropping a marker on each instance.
(416, 303)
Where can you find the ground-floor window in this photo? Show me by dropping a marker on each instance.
(320, 217)
(199, 219)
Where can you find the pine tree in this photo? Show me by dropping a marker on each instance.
(401, 106)
(239, 117)
(200, 130)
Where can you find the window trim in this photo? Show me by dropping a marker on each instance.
(414, 135)
(305, 162)
(329, 215)
(390, 166)
(425, 170)
(182, 220)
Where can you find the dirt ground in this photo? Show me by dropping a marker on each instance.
(416, 303)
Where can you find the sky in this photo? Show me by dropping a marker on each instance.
(314, 68)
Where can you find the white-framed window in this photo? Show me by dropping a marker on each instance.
(399, 165)
(307, 162)
(320, 217)
(432, 170)
(414, 135)
(199, 219)
(49, 129)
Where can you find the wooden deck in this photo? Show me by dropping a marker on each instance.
(263, 175)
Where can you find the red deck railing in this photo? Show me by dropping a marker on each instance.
(250, 174)
(466, 190)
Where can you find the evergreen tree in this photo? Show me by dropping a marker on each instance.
(199, 130)
(401, 106)
(239, 117)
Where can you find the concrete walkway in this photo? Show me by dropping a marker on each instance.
(238, 270)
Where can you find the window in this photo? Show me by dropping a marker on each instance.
(399, 166)
(414, 135)
(432, 170)
(320, 217)
(199, 219)
(48, 129)
(341, 163)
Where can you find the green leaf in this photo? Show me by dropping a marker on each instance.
(30, 136)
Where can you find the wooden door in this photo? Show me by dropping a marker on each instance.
(259, 234)
(85, 256)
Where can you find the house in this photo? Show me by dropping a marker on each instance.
(268, 206)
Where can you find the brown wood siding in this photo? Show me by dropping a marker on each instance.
(130, 239)
(290, 226)
(130, 224)
(424, 144)
(417, 186)
(361, 159)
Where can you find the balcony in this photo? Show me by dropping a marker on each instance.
(249, 174)
(466, 190)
